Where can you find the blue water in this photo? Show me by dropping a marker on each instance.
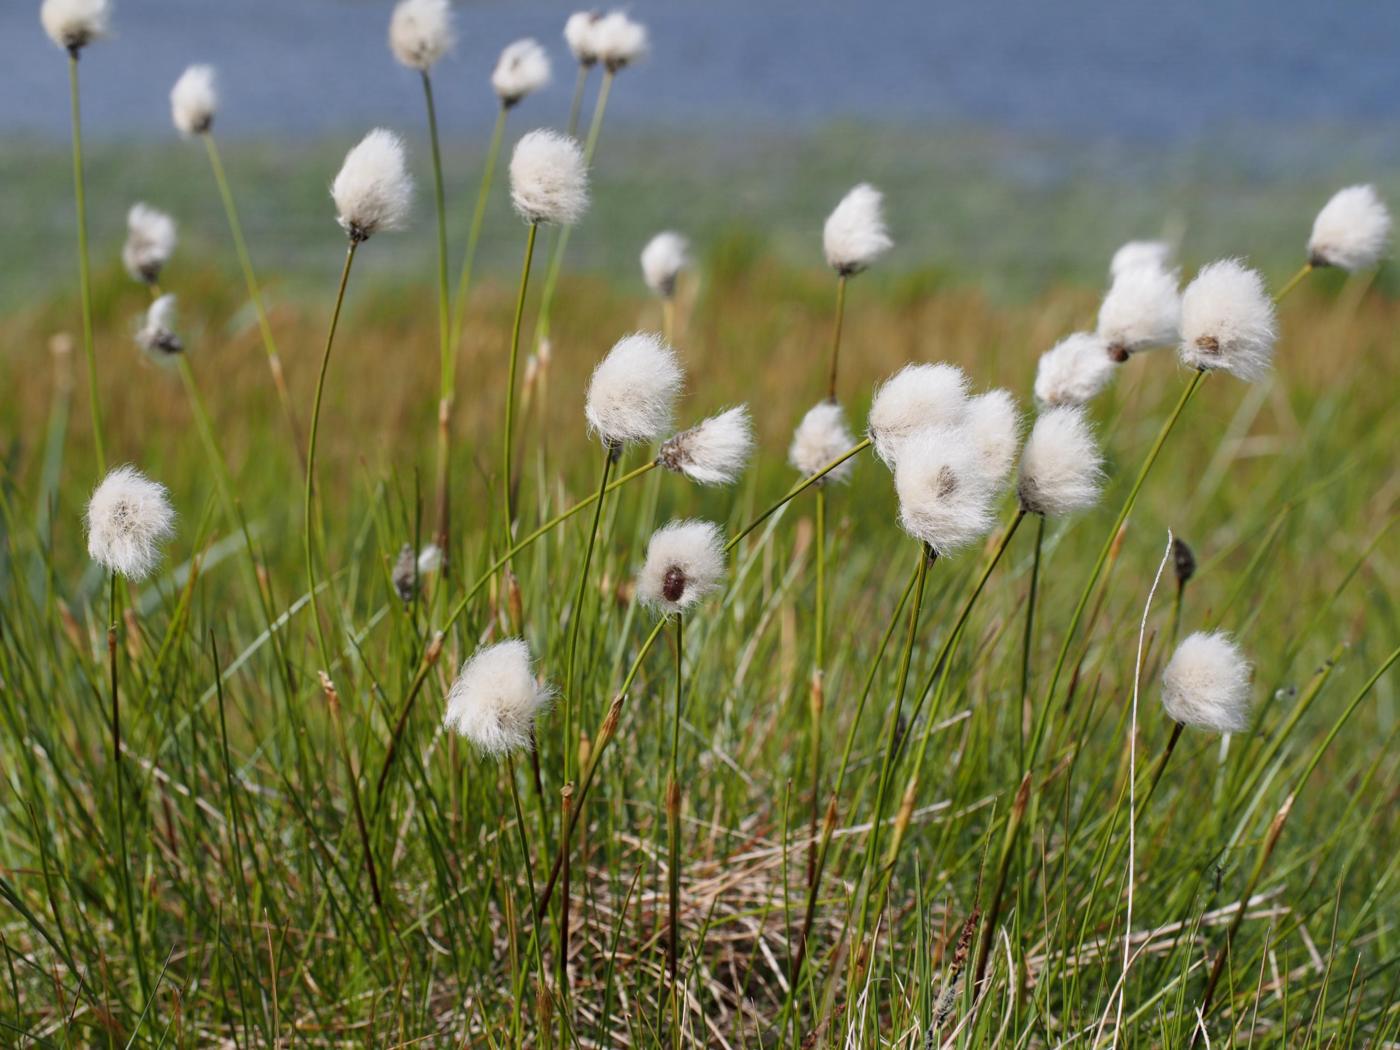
(1158, 71)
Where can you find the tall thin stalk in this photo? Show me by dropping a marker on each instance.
(446, 346)
(508, 438)
(84, 271)
(836, 336)
(128, 902)
(483, 194)
(673, 820)
(1027, 641)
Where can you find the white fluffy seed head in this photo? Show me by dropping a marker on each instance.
(685, 561)
(1074, 370)
(618, 41)
(578, 34)
(1207, 684)
(855, 234)
(1352, 231)
(664, 257)
(1227, 321)
(1140, 253)
(522, 69)
(373, 190)
(994, 427)
(548, 178)
(496, 698)
(150, 240)
(1141, 310)
(945, 500)
(429, 559)
(420, 32)
(128, 518)
(156, 335)
(194, 100)
(632, 394)
(73, 24)
(714, 451)
(1061, 466)
(821, 437)
(915, 397)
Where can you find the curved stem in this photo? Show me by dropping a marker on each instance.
(797, 490)
(84, 271)
(507, 439)
(1294, 281)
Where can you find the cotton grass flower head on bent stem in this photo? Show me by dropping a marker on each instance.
(855, 234)
(522, 69)
(150, 241)
(945, 496)
(994, 425)
(421, 33)
(1141, 310)
(820, 438)
(129, 517)
(194, 100)
(1228, 321)
(1140, 253)
(915, 397)
(73, 24)
(1352, 231)
(1206, 684)
(579, 30)
(685, 562)
(496, 698)
(632, 393)
(157, 336)
(663, 259)
(548, 178)
(714, 451)
(1074, 371)
(618, 40)
(1061, 466)
(373, 190)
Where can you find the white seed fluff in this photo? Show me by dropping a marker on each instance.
(548, 178)
(618, 41)
(994, 427)
(1061, 466)
(1140, 253)
(685, 562)
(150, 240)
(915, 397)
(156, 336)
(664, 257)
(495, 698)
(429, 559)
(1141, 310)
(714, 451)
(194, 100)
(420, 32)
(632, 394)
(1207, 684)
(1352, 231)
(373, 190)
(522, 69)
(73, 24)
(128, 518)
(1073, 371)
(1227, 321)
(855, 234)
(821, 437)
(578, 34)
(945, 500)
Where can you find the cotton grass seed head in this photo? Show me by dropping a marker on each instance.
(495, 699)
(1140, 253)
(1073, 371)
(618, 40)
(1207, 684)
(1352, 231)
(1061, 467)
(194, 100)
(994, 426)
(1141, 310)
(945, 500)
(73, 24)
(150, 240)
(128, 518)
(664, 257)
(522, 69)
(429, 559)
(420, 32)
(548, 178)
(855, 234)
(373, 190)
(1227, 321)
(578, 34)
(157, 336)
(632, 394)
(821, 437)
(915, 397)
(685, 561)
(714, 451)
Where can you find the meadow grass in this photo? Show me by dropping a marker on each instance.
(253, 786)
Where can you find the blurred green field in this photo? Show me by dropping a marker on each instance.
(253, 902)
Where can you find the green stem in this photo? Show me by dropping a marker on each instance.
(510, 381)
(673, 816)
(125, 866)
(483, 194)
(525, 861)
(836, 336)
(1294, 281)
(446, 346)
(817, 694)
(1027, 640)
(312, 585)
(84, 272)
(792, 493)
(576, 106)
